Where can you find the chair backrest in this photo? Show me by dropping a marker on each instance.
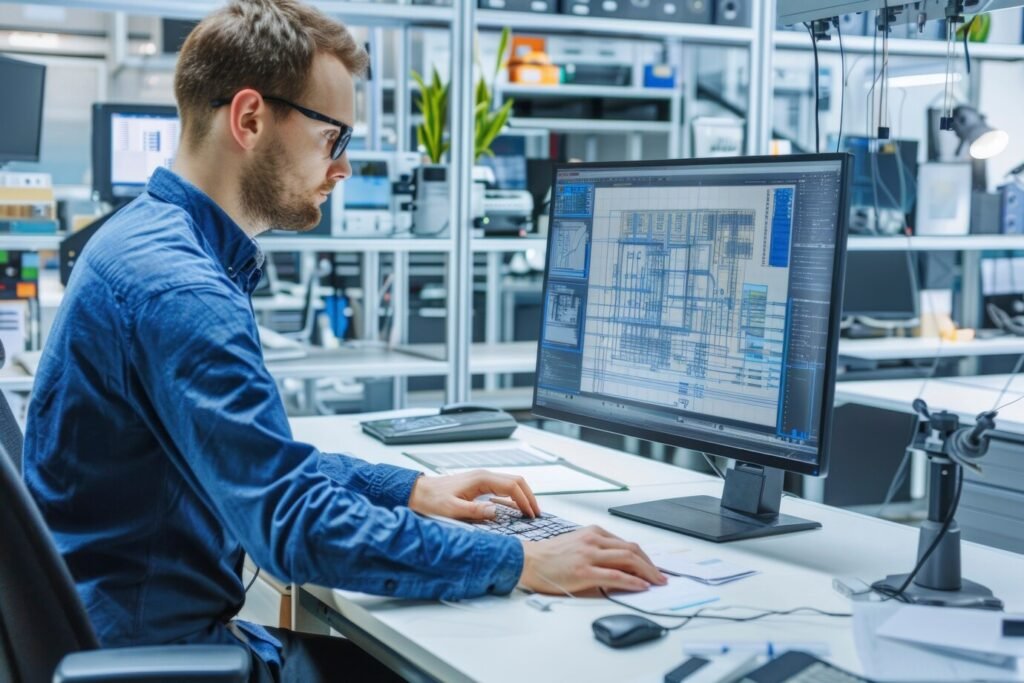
(10, 432)
(41, 616)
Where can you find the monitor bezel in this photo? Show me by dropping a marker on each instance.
(102, 184)
(818, 468)
(34, 157)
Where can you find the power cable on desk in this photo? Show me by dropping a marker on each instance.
(700, 613)
(252, 580)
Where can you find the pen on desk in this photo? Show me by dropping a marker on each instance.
(765, 647)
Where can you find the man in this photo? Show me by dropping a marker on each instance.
(158, 447)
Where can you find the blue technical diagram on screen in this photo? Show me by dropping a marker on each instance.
(693, 299)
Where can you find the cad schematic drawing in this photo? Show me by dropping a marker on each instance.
(692, 302)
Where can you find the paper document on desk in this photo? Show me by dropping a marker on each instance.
(546, 474)
(678, 594)
(684, 562)
(889, 659)
(969, 633)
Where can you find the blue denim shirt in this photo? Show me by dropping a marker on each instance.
(158, 449)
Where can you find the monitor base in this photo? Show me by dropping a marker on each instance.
(704, 517)
(971, 594)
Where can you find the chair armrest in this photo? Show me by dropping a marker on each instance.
(159, 664)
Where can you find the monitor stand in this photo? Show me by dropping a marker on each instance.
(749, 508)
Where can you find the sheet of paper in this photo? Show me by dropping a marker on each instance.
(682, 561)
(953, 628)
(550, 479)
(12, 327)
(678, 594)
(893, 660)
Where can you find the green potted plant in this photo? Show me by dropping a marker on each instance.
(432, 180)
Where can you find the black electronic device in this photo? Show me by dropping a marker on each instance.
(880, 285)
(21, 109)
(459, 423)
(543, 6)
(936, 578)
(129, 142)
(733, 12)
(799, 667)
(697, 303)
(623, 630)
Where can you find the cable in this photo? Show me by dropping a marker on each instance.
(817, 97)
(252, 580)
(842, 91)
(898, 593)
(712, 465)
(967, 50)
(700, 613)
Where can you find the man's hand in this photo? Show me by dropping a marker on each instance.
(586, 559)
(453, 495)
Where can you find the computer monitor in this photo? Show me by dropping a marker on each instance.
(697, 303)
(21, 109)
(129, 142)
(880, 285)
(884, 171)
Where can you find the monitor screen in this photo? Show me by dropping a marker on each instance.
(369, 186)
(21, 110)
(880, 284)
(696, 303)
(129, 143)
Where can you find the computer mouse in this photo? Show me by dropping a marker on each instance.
(623, 630)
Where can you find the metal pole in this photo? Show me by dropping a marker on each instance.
(460, 298)
(761, 81)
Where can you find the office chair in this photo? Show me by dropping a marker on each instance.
(10, 432)
(45, 633)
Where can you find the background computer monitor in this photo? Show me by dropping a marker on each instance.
(129, 142)
(884, 171)
(21, 109)
(697, 303)
(880, 285)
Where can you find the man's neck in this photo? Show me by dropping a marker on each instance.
(218, 185)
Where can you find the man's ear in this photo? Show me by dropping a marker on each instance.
(247, 117)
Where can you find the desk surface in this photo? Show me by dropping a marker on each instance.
(965, 396)
(504, 639)
(927, 347)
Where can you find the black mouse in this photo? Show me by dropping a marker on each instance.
(623, 630)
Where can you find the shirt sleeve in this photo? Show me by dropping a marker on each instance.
(304, 516)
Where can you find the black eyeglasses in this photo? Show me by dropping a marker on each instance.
(344, 130)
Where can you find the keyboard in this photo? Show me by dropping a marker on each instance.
(510, 522)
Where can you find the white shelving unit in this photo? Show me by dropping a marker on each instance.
(908, 47)
(461, 21)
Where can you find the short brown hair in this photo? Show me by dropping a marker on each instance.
(267, 45)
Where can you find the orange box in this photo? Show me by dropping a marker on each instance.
(26, 290)
(524, 45)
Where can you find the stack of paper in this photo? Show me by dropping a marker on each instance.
(712, 571)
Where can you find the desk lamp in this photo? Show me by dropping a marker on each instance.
(983, 140)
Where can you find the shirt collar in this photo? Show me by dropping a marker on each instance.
(241, 257)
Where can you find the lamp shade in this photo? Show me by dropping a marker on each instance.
(972, 129)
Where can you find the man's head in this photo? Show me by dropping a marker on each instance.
(267, 82)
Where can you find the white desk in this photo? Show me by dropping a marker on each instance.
(927, 347)
(965, 396)
(504, 639)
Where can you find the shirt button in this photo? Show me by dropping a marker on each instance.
(390, 585)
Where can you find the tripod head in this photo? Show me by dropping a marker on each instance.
(941, 436)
